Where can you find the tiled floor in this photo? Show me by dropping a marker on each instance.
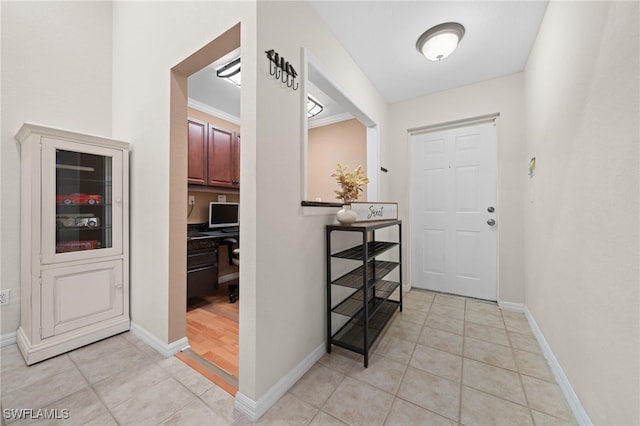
(443, 361)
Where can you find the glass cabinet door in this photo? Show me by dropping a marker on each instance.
(82, 205)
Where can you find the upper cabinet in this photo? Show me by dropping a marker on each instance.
(214, 155)
(198, 135)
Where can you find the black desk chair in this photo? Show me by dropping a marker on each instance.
(234, 259)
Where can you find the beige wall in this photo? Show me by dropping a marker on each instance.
(580, 89)
(291, 281)
(503, 96)
(144, 114)
(56, 71)
(582, 234)
(200, 211)
(345, 143)
(281, 289)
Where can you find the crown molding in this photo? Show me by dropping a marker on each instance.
(330, 120)
(192, 103)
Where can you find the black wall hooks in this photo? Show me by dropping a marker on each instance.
(282, 70)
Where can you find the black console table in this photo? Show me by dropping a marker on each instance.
(369, 308)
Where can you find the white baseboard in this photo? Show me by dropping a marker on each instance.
(165, 349)
(7, 339)
(511, 306)
(255, 409)
(572, 398)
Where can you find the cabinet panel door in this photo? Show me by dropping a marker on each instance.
(236, 161)
(83, 199)
(197, 140)
(79, 296)
(220, 156)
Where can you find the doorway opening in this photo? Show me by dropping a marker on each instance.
(202, 316)
(341, 133)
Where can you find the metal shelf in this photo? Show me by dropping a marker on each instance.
(351, 336)
(353, 305)
(374, 248)
(369, 307)
(376, 270)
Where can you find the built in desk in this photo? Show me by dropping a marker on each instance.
(202, 258)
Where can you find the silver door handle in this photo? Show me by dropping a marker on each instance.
(491, 222)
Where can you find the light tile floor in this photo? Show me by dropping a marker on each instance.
(443, 361)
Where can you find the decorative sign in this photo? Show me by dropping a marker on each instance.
(375, 211)
(282, 70)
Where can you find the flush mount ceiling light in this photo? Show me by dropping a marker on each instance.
(440, 41)
(313, 107)
(231, 72)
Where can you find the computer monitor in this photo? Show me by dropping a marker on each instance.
(222, 215)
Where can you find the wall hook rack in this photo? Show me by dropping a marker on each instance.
(282, 70)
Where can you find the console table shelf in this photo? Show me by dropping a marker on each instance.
(369, 308)
(353, 278)
(352, 335)
(374, 248)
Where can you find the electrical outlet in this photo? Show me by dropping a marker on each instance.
(192, 200)
(4, 297)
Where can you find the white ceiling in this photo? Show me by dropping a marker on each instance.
(221, 98)
(381, 35)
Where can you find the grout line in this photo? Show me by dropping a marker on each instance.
(119, 336)
(513, 354)
(464, 332)
(404, 374)
(102, 401)
(462, 385)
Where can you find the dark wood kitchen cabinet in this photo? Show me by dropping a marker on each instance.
(198, 137)
(223, 156)
(214, 155)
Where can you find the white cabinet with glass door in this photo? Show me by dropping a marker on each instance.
(74, 240)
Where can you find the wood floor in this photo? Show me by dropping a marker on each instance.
(212, 329)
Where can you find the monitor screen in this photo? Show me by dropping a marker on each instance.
(223, 214)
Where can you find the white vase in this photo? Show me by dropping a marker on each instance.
(346, 216)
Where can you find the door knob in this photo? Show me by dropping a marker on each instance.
(491, 209)
(491, 222)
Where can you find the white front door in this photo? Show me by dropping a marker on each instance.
(454, 212)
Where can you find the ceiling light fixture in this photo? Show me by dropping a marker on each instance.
(231, 72)
(440, 41)
(313, 107)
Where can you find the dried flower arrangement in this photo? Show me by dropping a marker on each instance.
(351, 183)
